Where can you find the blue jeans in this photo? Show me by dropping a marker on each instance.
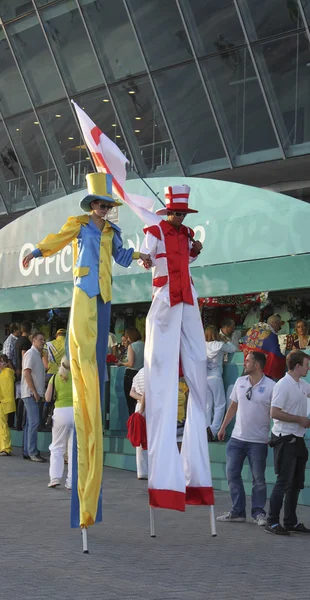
(31, 426)
(236, 453)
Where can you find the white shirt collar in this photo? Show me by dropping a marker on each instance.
(292, 379)
(258, 383)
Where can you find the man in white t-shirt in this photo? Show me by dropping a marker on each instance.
(290, 421)
(250, 402)
(32, 392)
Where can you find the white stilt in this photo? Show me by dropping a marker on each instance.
(84, 540)
(212, 522)
(152, 522)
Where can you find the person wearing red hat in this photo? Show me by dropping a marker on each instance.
(174, 330)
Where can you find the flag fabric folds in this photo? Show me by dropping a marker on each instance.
(108, 158)
(261, 338)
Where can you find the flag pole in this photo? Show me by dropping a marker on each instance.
(148, 186)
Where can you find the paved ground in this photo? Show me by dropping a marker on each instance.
(41, 558)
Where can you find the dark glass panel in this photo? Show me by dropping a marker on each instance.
(190, 119)
(113, 38)
(285, 68)
(14, 187)
(10, 9)
(144, 125)
(66, 143)
(68, 38)
(13, 95)
(240, 106)
(161, 32)
(35, 60)
(35, 155)
(265, 18)
(214, 26)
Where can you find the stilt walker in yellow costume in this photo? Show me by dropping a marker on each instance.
(95, 241)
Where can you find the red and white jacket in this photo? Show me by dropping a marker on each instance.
(171, 252)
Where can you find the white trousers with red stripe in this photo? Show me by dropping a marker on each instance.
(174, 479)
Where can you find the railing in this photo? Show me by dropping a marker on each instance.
(49, 184)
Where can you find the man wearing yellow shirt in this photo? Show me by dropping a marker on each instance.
(55, 351)
(95, 240)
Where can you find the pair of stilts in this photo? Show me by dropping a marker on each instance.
(152, 528)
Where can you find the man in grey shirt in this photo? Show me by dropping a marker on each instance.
(32, 390)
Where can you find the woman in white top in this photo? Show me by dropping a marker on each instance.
(216, 400)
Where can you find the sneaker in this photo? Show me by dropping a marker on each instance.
(4, 453)
(26, 457)
(299, 528)
(68, 487)
(276, 529)
(260, 519)
(53, 483)
(228, 517)
(38, 458)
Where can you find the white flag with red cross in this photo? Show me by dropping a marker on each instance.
(108, 158)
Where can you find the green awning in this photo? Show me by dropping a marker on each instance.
(285, 273)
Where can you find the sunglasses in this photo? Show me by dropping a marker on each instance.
(248, 393)
(104, 206)
(176, 214)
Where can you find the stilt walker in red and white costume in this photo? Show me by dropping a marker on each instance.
(173, 331)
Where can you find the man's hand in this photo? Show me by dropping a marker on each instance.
(221, 434)
(36, 396)
(147, 261)
(304, 422)
(27, 260)
(197, 246)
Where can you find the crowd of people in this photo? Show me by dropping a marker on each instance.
(33, 370)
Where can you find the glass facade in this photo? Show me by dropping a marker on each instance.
(183, 87)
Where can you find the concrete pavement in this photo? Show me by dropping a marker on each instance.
(41, 557)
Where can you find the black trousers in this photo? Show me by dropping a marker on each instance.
(131, 402)
(290, 465)
(19, 414)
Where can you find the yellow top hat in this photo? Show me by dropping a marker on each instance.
(99, 187)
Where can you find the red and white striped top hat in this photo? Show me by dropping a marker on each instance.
(176, 197)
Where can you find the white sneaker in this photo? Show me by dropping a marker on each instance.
(229, 518)
(260, 519)
(68, 487)
(53, 483)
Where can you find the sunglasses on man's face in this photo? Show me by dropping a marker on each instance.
(176, 214)
(103, 206)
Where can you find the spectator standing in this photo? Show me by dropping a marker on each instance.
(22, 345)
(32, 391)
(55, 352)
(302, 335)
(112, 344)
(227, 329)
(7, 404)
(9, 345)
(216, 399)
(135, 360)
(63, 424)
(137, 393)
(290, 421)
(250, 402)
